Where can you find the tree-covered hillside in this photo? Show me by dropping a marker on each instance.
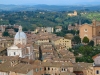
(31, 19)
(92, 15)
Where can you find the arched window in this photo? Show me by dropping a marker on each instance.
(97, 72)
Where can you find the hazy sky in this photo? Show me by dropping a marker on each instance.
(49, 2)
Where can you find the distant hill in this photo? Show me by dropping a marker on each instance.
(48, 7)
(94, 3)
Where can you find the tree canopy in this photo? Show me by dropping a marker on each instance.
(38, 18)
(5, 34)
(91, 43)
(76, 39)
(85, 40)
(85, 53)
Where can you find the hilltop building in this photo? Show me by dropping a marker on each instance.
(73, 14)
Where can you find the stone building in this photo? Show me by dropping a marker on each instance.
(58, 28)
(92, 31)
(2, 28)
(73, 14)
(73, 27)
(57, 68)
(61, 41)
(14, 65)
(96, 64)
(82, 68)
(44, 29)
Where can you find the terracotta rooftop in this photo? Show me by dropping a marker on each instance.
(67, 73)
(16, 66)
(20, 46)
(9, 58)
(80, 66)
(57, 64)
(95, 56)
(60, 27)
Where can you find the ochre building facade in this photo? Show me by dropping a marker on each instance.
(92, 31)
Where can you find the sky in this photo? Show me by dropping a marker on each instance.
(48, 2)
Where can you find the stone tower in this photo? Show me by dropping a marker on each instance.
(94, 28)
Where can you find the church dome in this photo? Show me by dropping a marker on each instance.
(20, 37)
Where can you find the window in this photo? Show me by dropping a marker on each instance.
(97, 72)
(36, 70)
(14, 53)
(48, 68)
(85, 30)
(40, 69)
(45, 68)
(64, 69)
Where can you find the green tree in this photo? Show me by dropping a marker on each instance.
(25, 29)
(85, 40)
(91, 43)
(76, 39)
(5, 34)
(12, 22)
(16, 29)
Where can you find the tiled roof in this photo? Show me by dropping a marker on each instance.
(95, 56)
(80, 66)
(67, 73)
(57, 64)
(20, 45)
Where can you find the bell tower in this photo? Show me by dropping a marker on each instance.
(94, 28)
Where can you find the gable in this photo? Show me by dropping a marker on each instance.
(85, 26)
